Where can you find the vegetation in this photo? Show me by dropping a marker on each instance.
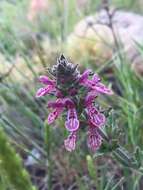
(27, 49)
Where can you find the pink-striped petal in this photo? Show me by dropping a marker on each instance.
(101, 88)
(84, 76)
(90, 97)
(71, 113)
(70, 142)
(94, 140)
(95, 117)
(98, 119)
(44, 91)
(45, 80)
(95, 78)
(72, 124)
(52, 104)
(54, 115)
(92, 110)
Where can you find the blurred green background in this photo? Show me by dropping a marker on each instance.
(31, 40)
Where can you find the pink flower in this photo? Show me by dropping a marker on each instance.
(70, 142)
(50, 86)
(84, 77)
(75, 94)
(95, 120)
(101, 88)
(58, 107)
(45, 80)
(94, 139)
(96, 78)
(43, 91)
(54, 115)
(72, 123)
(90, 97)
(94, 83)
(95, 117)
(59, 103)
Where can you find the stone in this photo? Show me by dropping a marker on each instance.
(93, 37)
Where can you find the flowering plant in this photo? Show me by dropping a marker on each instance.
(75, 94)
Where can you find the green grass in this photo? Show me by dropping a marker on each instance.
(23, 116)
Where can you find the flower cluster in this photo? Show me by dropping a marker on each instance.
(75, 94)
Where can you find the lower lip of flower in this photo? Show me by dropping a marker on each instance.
(72, 124)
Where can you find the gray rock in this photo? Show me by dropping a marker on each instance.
(127, 26)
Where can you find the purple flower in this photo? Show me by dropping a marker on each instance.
(72, 123)
(66, 88)
(58, 107)
(101, 88)
(50, 86)
(54, 115)
(90, 97)
(84, 77)
(94, 139)
(94, 83)
(59, 103)
(45, 80)
(70, 142)
(95, 117)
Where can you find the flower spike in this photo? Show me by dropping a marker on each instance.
(78, 103)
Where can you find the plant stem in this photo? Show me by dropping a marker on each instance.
(48, 153)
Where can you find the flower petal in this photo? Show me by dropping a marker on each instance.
(92, 110)
(102, 89)
(54, 115)
(95, 117)
(94, 140)
(70, 142)
(44, 91)
(69, 103)
(72, 124)
(45, 80)
(84, 76)
(98, 119)
(52, 104)
(71, 113)
(90, 97)
(96, 78)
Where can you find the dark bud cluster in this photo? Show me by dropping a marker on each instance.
(65, 73)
